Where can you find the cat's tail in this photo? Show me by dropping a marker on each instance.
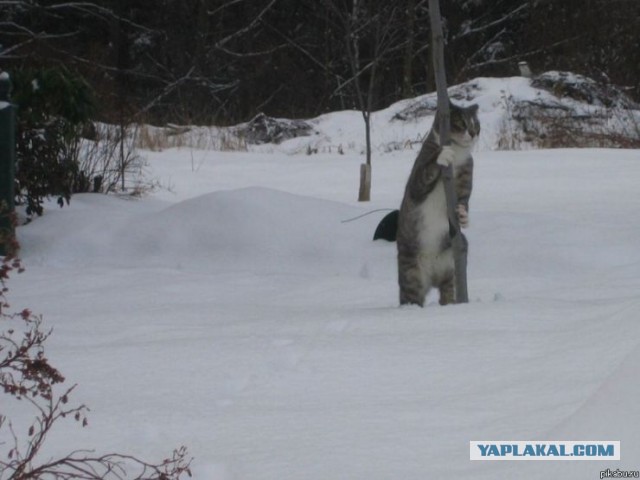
(368, 213)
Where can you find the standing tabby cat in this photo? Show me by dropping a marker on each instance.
(425, 256)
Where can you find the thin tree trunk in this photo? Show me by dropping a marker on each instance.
(367, 135)
(407, 68)
(364, 193)
(437, 48)
(121, 85)
(459, 249)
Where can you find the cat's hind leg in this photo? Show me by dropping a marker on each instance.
(447, 290)
(413, 281)
(447, 284)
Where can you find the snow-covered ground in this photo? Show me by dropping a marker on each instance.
(234, 312)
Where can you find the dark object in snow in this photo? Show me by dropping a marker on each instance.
(89, 131)
(264, 129)
(388, 227)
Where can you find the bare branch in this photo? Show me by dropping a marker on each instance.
(246, 29)
(250, 54)
(480, 51)
(96, 10)
(470, 31)
(222, 7)
(170, 87)
(25, 374)
(513, 58)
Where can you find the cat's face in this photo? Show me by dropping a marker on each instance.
(465, 126)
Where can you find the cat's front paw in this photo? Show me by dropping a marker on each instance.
(446, 157)
(463, 216)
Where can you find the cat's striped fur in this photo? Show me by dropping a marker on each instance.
(425, 257)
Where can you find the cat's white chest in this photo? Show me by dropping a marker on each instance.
(434, 222)
(434, 219)
(460, 155)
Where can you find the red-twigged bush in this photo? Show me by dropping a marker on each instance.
(27, 376)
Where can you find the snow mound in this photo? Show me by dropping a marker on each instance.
(252, 228)
(464, 94)
(555, 109)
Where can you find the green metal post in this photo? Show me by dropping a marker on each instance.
(7, 161)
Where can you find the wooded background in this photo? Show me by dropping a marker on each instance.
(224, 61)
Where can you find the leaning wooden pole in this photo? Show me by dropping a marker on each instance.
(459, 246)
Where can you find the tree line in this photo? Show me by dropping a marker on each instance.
(224, 61)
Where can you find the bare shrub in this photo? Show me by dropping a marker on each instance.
(156, 139)
(151, 138)
(546, 127)
(545, 124)
(28, 378)
(107, 162)
(230, 141)
(509, 137)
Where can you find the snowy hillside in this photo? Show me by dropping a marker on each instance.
(234, 312)
(554, 109)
